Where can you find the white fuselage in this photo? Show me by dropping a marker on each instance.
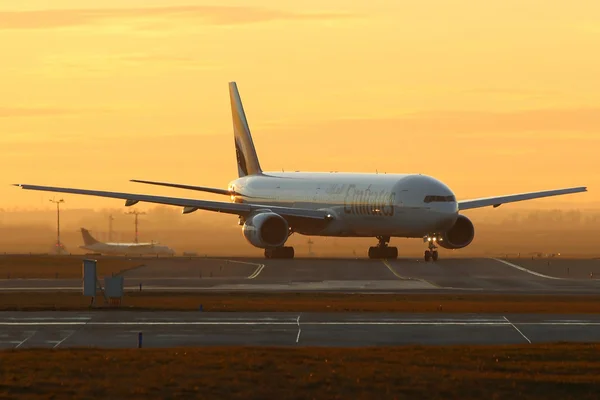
(363, 205)
(128, 248)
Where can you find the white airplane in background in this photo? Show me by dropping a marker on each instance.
(271, 206)
(90, 243)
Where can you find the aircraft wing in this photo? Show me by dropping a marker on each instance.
(497, 201)
(189, 187)
(191, 205)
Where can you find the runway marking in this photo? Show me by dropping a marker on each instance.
(406, 278)
(385, 262)
(65, 338)
(254, 274)
(257, 271)
(235, 261)
(316, 323)
(48, 318)
(26, 339)
(177, 335)
(299, 330)
(517, 329)
(527, 270)
(39, 289)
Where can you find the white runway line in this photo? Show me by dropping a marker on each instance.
(256, 272)
(26, 339)
(527, 270)
(65, 338)
(41, 289)
(397, 275)
(406, 278)
(251, 276)
(236, 261)
(48, 318)
(517, 329)
(317, 323)
(299, 330)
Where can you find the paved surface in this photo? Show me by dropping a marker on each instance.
(347, 275)
(169, 329)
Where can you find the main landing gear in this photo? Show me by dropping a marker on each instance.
(280, 252)
(382, 250)
(432, 253)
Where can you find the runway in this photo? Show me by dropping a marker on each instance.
(542, 276)
(170, 329)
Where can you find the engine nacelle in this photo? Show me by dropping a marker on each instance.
(266, 230)
(460, 235)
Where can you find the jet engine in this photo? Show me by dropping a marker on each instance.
(266, 230)
(460, 235)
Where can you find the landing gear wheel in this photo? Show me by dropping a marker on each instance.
(280, 252)
(434, 256)
(391, 252)
(382, 250)
(427, 255)
(376, 252)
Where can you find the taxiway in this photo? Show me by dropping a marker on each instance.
(555, 276)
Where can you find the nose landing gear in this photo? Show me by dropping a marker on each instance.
(432, 253)
(382, 250)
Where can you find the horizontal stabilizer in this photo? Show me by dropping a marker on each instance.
(498, 200)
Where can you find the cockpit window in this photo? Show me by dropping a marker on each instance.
(438, 199)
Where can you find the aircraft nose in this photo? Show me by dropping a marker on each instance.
(441, 201)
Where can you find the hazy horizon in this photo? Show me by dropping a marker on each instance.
(497, 231)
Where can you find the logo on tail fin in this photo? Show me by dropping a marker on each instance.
(87, 238)
(247, 159)
(241, 161)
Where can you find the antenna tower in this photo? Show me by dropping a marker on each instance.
(58, 246)
(136, 213)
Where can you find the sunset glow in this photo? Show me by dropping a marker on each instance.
(492, 97)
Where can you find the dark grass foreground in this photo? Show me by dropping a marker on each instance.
(560, 371)
(312, 302)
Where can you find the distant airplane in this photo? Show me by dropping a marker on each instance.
(271, 206)
(90, 243)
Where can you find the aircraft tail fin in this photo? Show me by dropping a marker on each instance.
(247, 159)
(88, 239)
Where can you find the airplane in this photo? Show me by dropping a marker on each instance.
(90, 243)
(271, 206)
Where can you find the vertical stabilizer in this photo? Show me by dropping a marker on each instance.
(247, 160)
(88, 239)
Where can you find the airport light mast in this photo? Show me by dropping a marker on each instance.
(58, 246)
(136, 213)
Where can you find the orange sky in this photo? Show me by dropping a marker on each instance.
(492, 97)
